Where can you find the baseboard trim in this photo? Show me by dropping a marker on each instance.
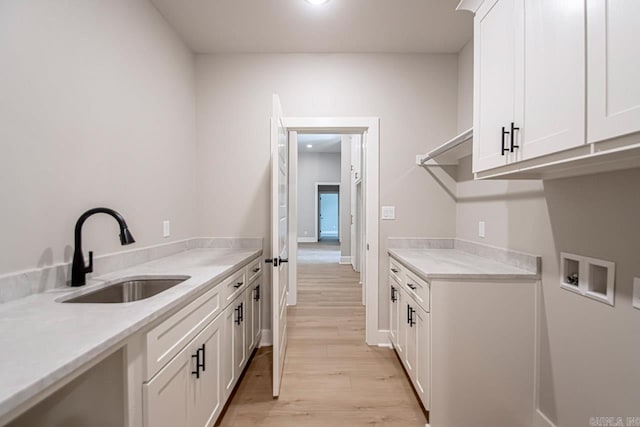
(307, 240)
(382, 338)
(541, 420)
(346, 260)
(267, 338)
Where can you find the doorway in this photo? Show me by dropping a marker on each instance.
(364, 223)
(328, 212)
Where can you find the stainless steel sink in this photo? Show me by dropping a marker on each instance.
(128, 290)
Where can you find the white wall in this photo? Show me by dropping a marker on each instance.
(589, 351)
(312, 168)
(97, 109)
(414, 96)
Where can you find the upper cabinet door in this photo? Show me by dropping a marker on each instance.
(613, 68)
(495, 30)
(550, 77)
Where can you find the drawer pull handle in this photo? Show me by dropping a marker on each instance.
(394, 270)
(255, 270)
(237, 285)
(412, 286)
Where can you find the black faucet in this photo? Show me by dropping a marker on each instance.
(79, 270)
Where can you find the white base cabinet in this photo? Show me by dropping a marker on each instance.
(468, 347)
(410, 331)
(192, 388)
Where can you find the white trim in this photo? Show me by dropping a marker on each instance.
(345, 260)
(292, 217)
(267, 338)
(307, 240)
(316, 213)
(541, 420)
(369, 127)
(469, 5)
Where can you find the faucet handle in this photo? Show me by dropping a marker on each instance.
(89, 268)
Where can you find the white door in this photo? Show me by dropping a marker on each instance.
(168, 397)
(256, 311)
(208, 346)
(247, 321)
(613, 68)
(229, 372)
(239, 335)
(411, 339)
(550, 73)
(495, 30)
(423, 356)
(279, 240)
(393, 311)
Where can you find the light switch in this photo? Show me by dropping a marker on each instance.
(481, 229)
(166, 228)
(636, 293)
(388, 212)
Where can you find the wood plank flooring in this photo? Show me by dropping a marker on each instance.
(331, 377)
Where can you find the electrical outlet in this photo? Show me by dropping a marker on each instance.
(636, 292)
(166, 228)
(481, 229)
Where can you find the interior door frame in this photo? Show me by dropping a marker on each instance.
(317, 207)
(369, 128)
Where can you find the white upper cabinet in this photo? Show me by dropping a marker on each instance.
(613, 68)
(494, 81)
(529, 80)
(550, 107)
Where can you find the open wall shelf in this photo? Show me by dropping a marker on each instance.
(448, 153)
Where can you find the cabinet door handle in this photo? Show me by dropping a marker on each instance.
(411, 320)
(412, 286)
(504, 133)
(204, 360)
(242, 312)
(513, 136)
(393, 294)
(237, 315)
(256, 297)
(408, 314)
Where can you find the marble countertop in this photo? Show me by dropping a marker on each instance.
(44, 341)
(449, 264)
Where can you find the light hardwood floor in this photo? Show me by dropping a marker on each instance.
(331, 377)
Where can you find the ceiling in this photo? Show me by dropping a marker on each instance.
(339, 26)
(322, 143)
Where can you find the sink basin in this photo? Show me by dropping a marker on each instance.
(128, 290)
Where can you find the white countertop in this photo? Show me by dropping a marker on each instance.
(43, 340)
(448, 264)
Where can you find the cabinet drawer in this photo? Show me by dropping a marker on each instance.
(168, 338)
(418, 289)
(254, 270)
(396, 270)
(233, 286)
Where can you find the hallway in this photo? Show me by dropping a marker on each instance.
(331, 377)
